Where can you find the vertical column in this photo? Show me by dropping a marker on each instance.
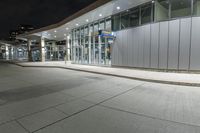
(7, 52)
(29, 42)
(42, 49)
(89, 43)
(99, 45)
(68, 48)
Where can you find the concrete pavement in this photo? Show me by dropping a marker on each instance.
(188, 79)
(38, 100)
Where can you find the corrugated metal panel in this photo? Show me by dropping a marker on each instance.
(130, 47)
(120, 49)
(147, 46)
(185, 30)
(135, 47)
(174, 38)
(141, 47)
(195, 44)
(154, 45)
(163, 49)
(124, 48)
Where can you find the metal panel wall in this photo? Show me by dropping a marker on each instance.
(163, 49)
(147, 45)
(130, 48)
(185, 35)
(124, 48)
(154, 44)
(165, 45)
(195, 44)
(141, 46)
(174, 39)
(135, 44)
(119, 50)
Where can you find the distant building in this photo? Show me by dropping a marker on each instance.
(21, 30)
(13, 34)
(25, 28)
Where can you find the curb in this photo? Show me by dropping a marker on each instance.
(115, 75)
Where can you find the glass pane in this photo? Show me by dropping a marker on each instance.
(102, 25)
(161, 10)
(134, 17)
(196, 7)
(96, 27)
(125, 20)
(86, 31)
(116, 22)
(180, 8)
(146, 13)
(108, 24)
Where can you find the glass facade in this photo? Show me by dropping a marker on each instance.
(155, 11)
(93, 44)
(136, 16)
(91, 48)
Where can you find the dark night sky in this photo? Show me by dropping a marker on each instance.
(38, 13)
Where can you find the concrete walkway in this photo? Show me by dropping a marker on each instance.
(188, 79)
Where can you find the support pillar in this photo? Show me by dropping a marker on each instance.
(68, 48)
(90, 47)
(29, 50)
(7, 52)
(99, 45)
(42, 49)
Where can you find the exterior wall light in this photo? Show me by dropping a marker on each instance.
(118, 8)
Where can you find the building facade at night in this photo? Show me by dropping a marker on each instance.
(155, 34)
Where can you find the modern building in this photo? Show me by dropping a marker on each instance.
(155, 34)
(7, 50)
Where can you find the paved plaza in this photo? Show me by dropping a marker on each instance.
(54, 100)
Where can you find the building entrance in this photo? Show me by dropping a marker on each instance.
(97, 52)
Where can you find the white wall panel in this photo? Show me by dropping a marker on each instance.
(174, 36)
(163, 49)
(141, 46)
(195, 44)
(135, 47)
(185, 32)
(147, 46)
(130, 47)
(154, 45)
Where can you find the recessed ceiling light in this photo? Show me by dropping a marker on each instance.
(100, 15)
(118, 8)
(55, 36)
(55, 31)
(77, 24)
(67, 28)
(87, 20)
(65, 35)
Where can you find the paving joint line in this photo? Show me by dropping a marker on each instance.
(148, 116)
(88, 108)
(22, 126)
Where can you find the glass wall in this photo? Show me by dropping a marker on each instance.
(180, 8)
(196, 9)
(146, 13)
(125, 22)
(134, 17)
(54, 52)
(161, 10)
(94, 43)
(142, 14)
(155, 11)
